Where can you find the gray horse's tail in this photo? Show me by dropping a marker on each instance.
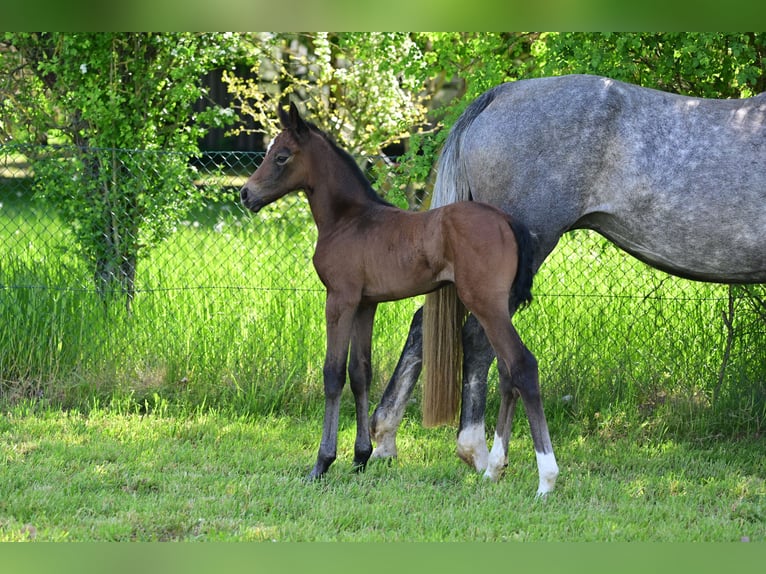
(444, 313)
(451, 179)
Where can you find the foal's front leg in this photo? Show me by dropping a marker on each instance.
(339, 316)
(360, 375)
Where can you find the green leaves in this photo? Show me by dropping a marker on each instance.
(106, 93)
(707, 64)
(364, 89)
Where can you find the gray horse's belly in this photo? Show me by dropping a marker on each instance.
(704, 253)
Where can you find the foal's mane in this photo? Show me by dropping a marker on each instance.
(350, 163)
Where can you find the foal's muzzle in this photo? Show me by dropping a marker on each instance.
(247, 198)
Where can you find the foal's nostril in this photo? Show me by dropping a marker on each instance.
(243, 193)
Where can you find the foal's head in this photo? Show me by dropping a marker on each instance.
(286, 166)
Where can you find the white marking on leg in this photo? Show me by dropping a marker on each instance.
(384, 438)
(498, 460)
(385, 444)
(387, 420)
(472, 446)
(548, 471)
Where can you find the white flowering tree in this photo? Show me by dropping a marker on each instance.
(105, 93)
(366, 90)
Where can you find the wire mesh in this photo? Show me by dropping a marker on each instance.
(223, 297)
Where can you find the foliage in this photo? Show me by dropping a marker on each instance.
(103, 92)
(364, 89)
(713, 65)
(459, 67)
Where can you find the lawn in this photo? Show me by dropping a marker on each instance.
(105, 476)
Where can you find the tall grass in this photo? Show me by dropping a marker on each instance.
(229, 313)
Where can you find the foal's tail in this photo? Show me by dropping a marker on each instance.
(444, 313)
(521, 290)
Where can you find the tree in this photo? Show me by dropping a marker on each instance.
(110, 95)
(708, 64)
(365, 90)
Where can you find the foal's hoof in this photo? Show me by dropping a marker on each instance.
(311, 477)
(316, 474)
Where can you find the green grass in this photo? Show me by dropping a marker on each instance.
(105, 476)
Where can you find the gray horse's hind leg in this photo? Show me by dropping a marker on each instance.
(390, 411)
(477, 359)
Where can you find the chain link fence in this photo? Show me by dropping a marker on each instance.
(224, 304)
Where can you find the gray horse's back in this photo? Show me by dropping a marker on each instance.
(679, 182)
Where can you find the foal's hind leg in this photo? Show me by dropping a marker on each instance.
(390, 411)
(527, 383)
(360, 375)
(518, 376)
(523, 381)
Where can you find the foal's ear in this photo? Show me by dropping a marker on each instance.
(284, 119)
(292, 120)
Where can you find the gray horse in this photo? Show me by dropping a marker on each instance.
(678, 182)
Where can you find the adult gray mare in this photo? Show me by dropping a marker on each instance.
(678, 182)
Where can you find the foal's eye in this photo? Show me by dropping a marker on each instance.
(281, 159)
